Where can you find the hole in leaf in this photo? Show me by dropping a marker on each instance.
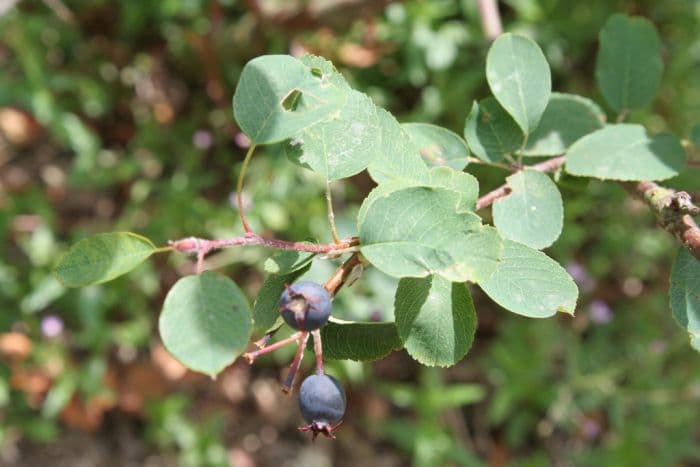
(291, 101)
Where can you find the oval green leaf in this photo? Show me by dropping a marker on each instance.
(436, 320)
(567, 118)
(205, 322)
(684, 294)
(102, 257)
(629, 65)
(626, 152)
(362, 342)
(519, 77)
(438, 146)
(529, 283)
(278, 96)
(419, 231)
(287, 261)
(343, 146)
(490, 132)
(532, 213)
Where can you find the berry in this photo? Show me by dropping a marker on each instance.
(322, 404)
(305, 305)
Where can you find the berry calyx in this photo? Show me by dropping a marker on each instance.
(305, 306)
(322, 404)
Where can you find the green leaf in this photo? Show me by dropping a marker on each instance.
(438, 146)
(463, 184)
(278, 96)
(398, 156)
(205, 322)
(629, 66)
(287, 261)
(530, 283)
(358, 341)
(685, 294)
(490, 132)
(695, 136)
(102, 257)
(532, 213)
(626, 152)
(567, 118)
(435, 319)
(419, 231)
(519, 77)
(266, 306)
(342, 146)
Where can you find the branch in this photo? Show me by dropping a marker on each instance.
(203, 246)
(673, 209)
(490, 19)
(343, 273)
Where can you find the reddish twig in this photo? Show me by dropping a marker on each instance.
(341, 275)
(490, 19)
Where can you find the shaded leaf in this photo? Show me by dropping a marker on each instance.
(519, 77)
(286, 261)
(438, 146)
(102, 257)
(532, 213)
(567, 118)
(626, 152)
(530, 283)
(205, 322)
(490, 132)
(435, 318)
(685, 294)
(628, 66)
(344, 340)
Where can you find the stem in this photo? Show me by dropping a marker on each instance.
(239, 189)
(289, 382)
(490, 19)
(193, 244)
(251, 356)
(340, 276)
(163, 249)
(318, 350)
(331, 215)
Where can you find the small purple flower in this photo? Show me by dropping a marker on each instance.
(580, 275)
(202, 139)
(600, 312)
(51, 326)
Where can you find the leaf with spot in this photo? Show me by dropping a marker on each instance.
(344, 340)
(435, 318)
(438, 146)
(567, 118)
(519, 77)
(532, 213)
(278, 96)
(491, 132)
(205, 322)
(626, 152)
(343, 145)
(629, 65)
(684, 294)
(529, 283)
(102, 257)
(418, 231)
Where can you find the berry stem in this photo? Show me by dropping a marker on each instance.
(318, 350)
(239, 189)
(340, 276)
(289, 382)
(251, 356)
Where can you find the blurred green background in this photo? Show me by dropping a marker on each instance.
(117, 116)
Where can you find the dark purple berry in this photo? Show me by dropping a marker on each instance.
(322, 404)
(305, 305)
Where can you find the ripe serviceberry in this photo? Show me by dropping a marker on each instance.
(305, 305)
(322, 404)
